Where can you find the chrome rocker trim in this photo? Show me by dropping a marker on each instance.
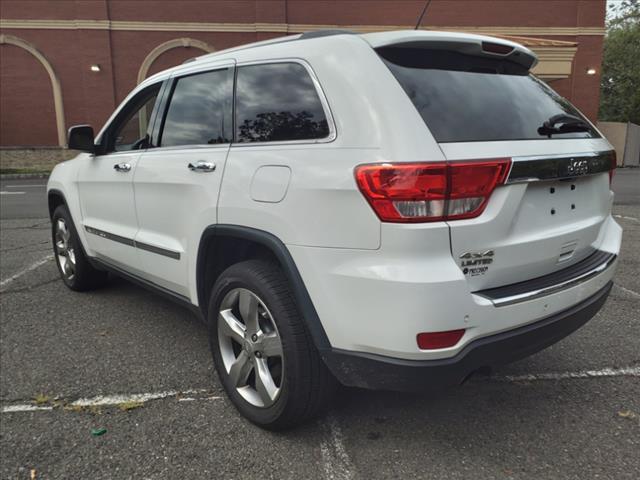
(132, 243)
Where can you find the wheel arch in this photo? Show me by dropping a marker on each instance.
(55, 198)
(223, 245)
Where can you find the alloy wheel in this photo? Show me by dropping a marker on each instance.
(250, 347)
(65, 253)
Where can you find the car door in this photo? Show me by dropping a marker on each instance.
(176, 183)
(105, 181)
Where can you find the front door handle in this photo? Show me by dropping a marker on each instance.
(202, 166)
(122, 167)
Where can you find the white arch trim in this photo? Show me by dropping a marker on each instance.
(171, 44)
(55, 82)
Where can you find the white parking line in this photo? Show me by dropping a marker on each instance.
(11, 193)
(30, 268)
(604, 372)
(336, 463)
(112, 400)
(104, 400)
(23, 408)
(630, 292)
(25, 186)
(627, 218)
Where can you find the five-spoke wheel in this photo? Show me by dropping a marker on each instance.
(264, 354)
(250, 347)
(65, 253)
(75, 268)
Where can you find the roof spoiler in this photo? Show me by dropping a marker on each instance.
(468, 44)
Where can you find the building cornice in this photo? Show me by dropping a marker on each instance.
(282, 28)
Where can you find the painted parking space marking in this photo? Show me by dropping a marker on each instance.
(12, 193)
(26, 186)
(26, 270)
(24, 408)
(336, 463)
(113, 400)
(332, 448)
(629, 291)
(633, 371)
(107, 400)
(627, 218)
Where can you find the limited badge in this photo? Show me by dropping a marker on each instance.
(476, 263)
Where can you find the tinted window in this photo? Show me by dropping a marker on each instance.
(200, 110)
(130, 129)
(464, 98)
(278, 102)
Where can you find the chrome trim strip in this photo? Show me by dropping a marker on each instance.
(543, 292)
(158, 250)
(110, 236)
(557, 167)
(132, 243)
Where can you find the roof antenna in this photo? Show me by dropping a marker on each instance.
(424, 10)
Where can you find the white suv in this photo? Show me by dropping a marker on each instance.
(392, 210)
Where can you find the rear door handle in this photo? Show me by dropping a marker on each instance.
(122, 167)
(202, 166)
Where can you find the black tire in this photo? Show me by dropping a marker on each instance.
(85, 276)
(306, 386)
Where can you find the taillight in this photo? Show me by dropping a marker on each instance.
(614, 165)
(435, 340)
(430, 192)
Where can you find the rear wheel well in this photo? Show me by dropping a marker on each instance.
(55, 199)
(223, 245)
(219, 253)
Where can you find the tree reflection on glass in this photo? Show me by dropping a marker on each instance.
(277, 126)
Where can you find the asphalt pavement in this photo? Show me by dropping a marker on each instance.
(136, 365)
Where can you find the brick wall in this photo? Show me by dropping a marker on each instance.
(27, 116)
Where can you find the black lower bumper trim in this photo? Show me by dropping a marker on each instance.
(384, 373)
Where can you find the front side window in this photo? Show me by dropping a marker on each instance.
(200, 110)
(129, 131)
(278, 102)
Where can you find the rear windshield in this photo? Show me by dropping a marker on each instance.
(463, 98)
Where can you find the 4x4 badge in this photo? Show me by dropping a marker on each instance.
(476, 263)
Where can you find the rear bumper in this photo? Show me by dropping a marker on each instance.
(376, 302)
(384, 373)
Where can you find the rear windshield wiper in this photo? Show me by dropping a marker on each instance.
(567, 124)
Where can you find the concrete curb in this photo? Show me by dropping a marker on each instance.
(14, 176)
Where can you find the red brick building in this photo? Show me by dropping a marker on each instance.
(65, 62)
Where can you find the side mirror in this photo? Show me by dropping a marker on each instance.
(81, 138)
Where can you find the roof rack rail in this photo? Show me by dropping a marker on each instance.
(325, 33)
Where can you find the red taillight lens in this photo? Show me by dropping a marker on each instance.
(435, 340)
(496, 48)
(429, 192)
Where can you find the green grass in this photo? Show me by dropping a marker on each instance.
(41, 399)
(130, 405)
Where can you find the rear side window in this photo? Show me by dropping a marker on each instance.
(200, 110)
(463, 98)
(278, 102)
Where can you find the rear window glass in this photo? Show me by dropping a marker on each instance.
(278, 102)
(463, 98)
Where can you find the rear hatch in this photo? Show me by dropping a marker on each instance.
(480, 103)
